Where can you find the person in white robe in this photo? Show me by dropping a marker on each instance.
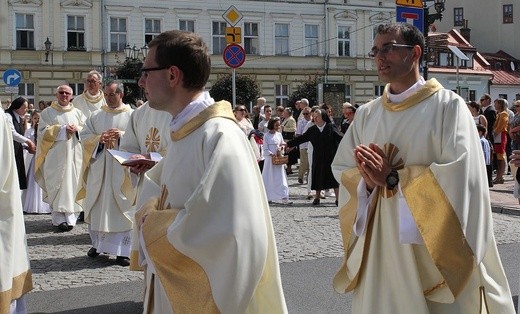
(58, 159)
(107, 210)
(15, 272)
(92, 97)
(148, 132)
(415, 213)
(274, 176)
(206, 247)
(33, 197)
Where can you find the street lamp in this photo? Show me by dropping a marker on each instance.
(48, 46)
(429, 19)
(134, 53)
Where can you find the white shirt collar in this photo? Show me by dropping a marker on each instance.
(399, 98)
(191, 110)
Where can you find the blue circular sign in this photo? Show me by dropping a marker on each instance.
(234, 55)
(12, 77)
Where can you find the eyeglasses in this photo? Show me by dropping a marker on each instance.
(111, 94)
(93, 81)
(306, 113)
(144, 71)
(483, 99)
(387, 48)
(61, 92)
(241, 109)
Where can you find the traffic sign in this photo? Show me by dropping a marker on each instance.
(410, 3)
(11, 90)
(410, 15)
(233, 35)
(232, 16)
(12, 77)
(234, 55)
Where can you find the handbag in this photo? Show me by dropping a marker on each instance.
(279, 160)
(497, 138)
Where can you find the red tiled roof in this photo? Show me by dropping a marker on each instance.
(505, 78)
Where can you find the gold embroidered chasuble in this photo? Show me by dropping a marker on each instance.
(211, 250)
(106, 208)
(58, 162)
(15, 273)
(87, 104)
(431, 140)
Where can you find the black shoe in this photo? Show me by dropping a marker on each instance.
(81, 217)
(63, 227)
(92, 252)
(123, 261)
(300, 181)
(316, 201)
(336, 202)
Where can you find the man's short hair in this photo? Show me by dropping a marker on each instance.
(261, 100)
(410, 34)
(120, 88)
(305, 102)
(97, 74)
(188, 52)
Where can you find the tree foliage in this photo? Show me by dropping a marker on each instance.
(246, 89)
(308, 89)
(130, 70)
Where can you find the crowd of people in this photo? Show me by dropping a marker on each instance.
(180, 187)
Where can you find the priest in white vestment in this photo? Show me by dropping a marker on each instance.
(15, 273)
(206, 236)
(92, 97)
(59, 158)
(415, 212)
(107, 210)
(148, 131)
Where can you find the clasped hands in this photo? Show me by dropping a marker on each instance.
(373, 165)
(71, 128)
(109, 135)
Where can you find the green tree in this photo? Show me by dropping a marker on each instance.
(246, 89)
(130, 70)
(308, 89)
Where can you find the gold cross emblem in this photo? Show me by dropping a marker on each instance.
(153, 140)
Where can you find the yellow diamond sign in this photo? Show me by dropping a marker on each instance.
(232, 16)
(410, 3)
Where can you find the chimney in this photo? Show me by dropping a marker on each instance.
(465, 31)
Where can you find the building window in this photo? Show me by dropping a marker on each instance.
(449, 60)
(152, 28)
(24, 31)
(117, 33)
(281, 94)
(26, 90)
(343, 41)
(348, 94)
(458, 16)
(75, 32)
(77, 88)
(508, 13)
(219, 37)
(281, 39)
(187, 25)
(311, 40)
(503, 96)
(379, 90)
(251, 41)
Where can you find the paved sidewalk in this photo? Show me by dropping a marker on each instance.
(502, 200)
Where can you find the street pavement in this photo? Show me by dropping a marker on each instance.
(309, 249)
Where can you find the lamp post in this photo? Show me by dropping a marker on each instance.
(129, 71)
(134, 53)
(429, 19)
(48, 48)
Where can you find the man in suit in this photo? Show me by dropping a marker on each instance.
(491, 115)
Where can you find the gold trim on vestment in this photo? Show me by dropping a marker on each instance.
(122, 108)
(20, 286)
(134, 261)
(428, 89)
(440, 229)
(220, 109)
(45, 143)
(89, 145)
(92, 99)
(185, 282)
(57, 106)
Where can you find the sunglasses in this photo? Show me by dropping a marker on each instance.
(64, 93)
(306, 113)
(241, 109)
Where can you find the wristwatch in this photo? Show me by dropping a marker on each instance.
(392, 180)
